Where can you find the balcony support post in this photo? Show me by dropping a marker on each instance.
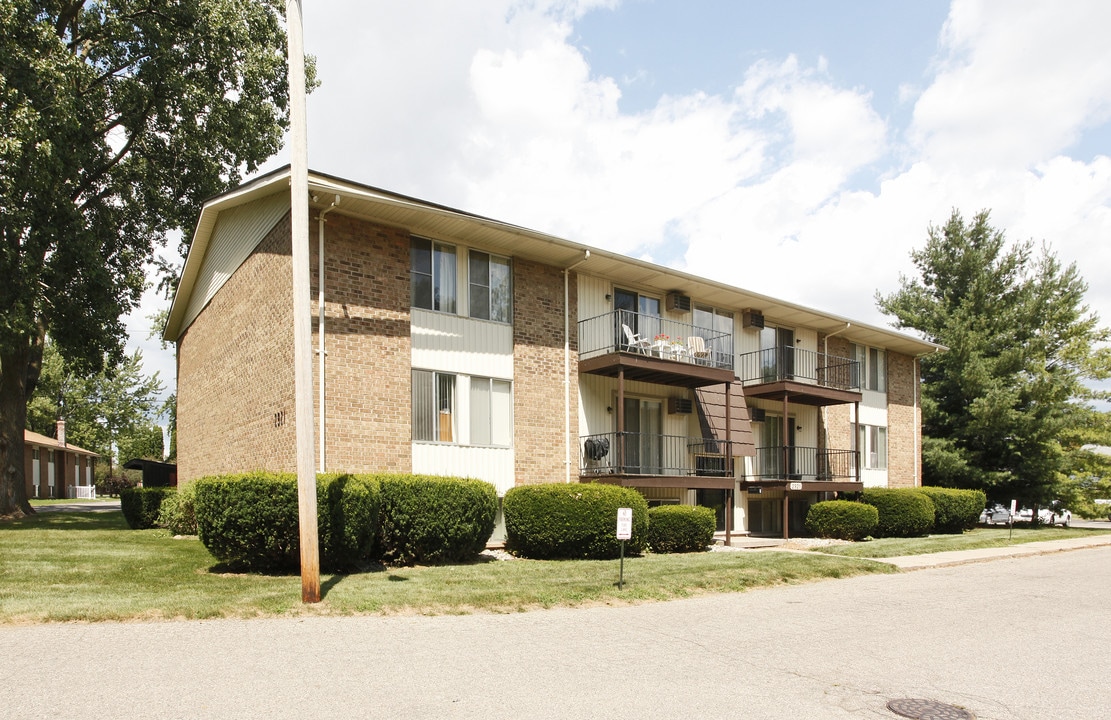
(621, 420)
(856, 438)
(729, 463)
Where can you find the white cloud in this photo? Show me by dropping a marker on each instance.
(790, 185)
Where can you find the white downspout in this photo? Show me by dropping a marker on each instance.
(320, 307)
(567, 367)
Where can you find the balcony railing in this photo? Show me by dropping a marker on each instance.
(803, 463)
(630, 453)
(654, 336)
(774, 364)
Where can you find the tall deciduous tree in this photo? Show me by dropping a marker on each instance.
(117, 118)
(999, 405)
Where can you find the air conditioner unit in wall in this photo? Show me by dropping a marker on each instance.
(752, 318)
(679, 406)
(678, 301)
(756, 414)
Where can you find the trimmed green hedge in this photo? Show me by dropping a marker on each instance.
(903, 512)
(572, 520)
(680, 528)
(428, 519)
(178, 511)
(251, 520)
(140, 506)
(955, 510)
(842, 519)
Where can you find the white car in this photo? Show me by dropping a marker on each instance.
(1058, 516)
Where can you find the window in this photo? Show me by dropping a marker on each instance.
(433, 406)
(491, 295)
(871, 440)
(720, 337)
(491, 412)
(871, 368)
(432, 275)
(486, 409)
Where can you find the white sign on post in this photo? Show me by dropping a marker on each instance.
(624, 523)
(1014, 507)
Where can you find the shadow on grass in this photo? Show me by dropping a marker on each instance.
(76, 520)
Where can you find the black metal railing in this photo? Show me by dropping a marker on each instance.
(779, 363)
(654, 336)
(780, 462)
(631, 453)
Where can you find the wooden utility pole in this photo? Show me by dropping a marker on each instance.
(302, 329)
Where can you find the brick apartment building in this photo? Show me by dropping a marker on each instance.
(56, 469)
(448, 343)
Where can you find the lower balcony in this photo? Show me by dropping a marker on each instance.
(805, 468)
(636, 459)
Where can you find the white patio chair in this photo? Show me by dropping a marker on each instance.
(635, 341)
(696, 346)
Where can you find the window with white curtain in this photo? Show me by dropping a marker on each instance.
(491, 296)
(491, 412)
(871, 366)
(871, 441)
(431, 275)
(437, 411)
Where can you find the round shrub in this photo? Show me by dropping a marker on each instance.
(572, 520)
(251, 520)
(903, 512)
(955, 510)
(140, 506)
(680, 528)
(842, 519)
(434, 519)
(178, 511)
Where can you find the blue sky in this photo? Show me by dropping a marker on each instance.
(729, 139)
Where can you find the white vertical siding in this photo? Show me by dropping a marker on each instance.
(494, 465)
(596, 393)
(237, 233)
(451, 343)
(592, 296)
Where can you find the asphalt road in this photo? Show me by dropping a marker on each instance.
(1019, 638)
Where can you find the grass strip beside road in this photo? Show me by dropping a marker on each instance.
(990, 537)
(64, 566)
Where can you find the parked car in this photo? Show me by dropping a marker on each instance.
(1055, 516)
(995, 515)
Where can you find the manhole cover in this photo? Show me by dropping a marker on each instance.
(927, 710)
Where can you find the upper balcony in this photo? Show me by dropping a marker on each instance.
(802, 376)
(654, 349)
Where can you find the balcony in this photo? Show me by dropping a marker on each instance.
(653, 349)
(806, 468)
(649, 460)
(802, 376)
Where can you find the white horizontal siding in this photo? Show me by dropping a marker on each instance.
(450, 343)
(494, 465)
(238, 232)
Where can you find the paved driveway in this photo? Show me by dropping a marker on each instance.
(1018, 638)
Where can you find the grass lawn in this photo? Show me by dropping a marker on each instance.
(971, 540)
(72, 501)
(65, 566)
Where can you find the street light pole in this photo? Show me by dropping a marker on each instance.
(302, 330)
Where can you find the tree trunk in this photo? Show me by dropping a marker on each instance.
(13, 418)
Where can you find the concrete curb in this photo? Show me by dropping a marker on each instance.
(964, 557)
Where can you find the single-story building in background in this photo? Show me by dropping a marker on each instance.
(55, 469)
(450, 343)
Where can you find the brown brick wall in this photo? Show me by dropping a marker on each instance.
(838, 429)
(538, 388)
(366, 330)
(235, 409)
(903, 420)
